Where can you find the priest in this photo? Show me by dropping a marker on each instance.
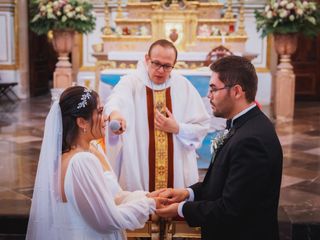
(162, 120)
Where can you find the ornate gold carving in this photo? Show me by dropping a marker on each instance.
(107, 28)
(136, 20)
(228, 14)
(122, 66)
(161, 144)
(180, 229)
(98, 48)
(181, 65)
(119, 9)
(87, 69)
(101, 65)
(241, 29)
(151, 229)
(210, 4)
(126, 38)
(142, 4)
(218, 21)
(233, 38)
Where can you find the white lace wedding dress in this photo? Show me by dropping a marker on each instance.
(96, 207)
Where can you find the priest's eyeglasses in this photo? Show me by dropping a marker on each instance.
(157, 66)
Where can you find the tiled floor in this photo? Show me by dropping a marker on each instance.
(21, 128)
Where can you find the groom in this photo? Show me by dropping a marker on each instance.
(238, 198)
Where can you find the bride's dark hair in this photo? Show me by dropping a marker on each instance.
(69, 102)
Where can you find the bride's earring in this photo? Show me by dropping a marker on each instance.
(84, 130)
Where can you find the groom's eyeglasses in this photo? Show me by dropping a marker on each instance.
(214, 89)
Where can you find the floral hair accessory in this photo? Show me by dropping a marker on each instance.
(85, 96)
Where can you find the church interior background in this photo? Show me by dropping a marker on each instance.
(124, 30)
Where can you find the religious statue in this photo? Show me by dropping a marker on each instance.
(173, 35)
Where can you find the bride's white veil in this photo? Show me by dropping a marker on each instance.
(46, 195)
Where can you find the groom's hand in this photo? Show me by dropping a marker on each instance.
(168, 211)
(175, 195)
(160, 202)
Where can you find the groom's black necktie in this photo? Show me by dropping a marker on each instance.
(228, 125)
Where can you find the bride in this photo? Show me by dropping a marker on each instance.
(76, 194)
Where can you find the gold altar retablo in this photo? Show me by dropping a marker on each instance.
(193, 26)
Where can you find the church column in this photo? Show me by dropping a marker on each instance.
(21, 26)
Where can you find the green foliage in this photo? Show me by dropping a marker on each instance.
(49, 15)
(289, 16)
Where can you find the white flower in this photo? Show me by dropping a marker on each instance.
(67, 8)
(43, 8)
(49, 11)
(269, 14)
(79, 9)
(283, 3)
(291, 17)
(64, 18)
(70, 14)
(55, 4)
(275, 5)
(267, 8)
(300, 11)
(83, 18)
(305, 4)
(51, 16)
(290, 5)
(283, 14)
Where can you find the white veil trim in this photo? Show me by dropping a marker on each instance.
(46, 194)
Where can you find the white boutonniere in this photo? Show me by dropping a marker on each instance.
(218, 140)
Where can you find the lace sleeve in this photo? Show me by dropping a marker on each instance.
(90, 195)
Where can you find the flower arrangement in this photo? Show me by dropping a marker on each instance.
(289, 16)
(49, 15)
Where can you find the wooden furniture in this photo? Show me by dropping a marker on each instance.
(6, 89)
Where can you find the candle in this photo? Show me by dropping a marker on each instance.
(222, 40)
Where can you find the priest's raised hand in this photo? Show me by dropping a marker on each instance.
(166, 123)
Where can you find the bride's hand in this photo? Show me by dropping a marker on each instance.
(160, 202)
(155, 193)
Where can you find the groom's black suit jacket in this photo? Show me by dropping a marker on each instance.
(238, 198)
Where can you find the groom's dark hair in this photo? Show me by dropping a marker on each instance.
(70, 111)
(233, 70)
